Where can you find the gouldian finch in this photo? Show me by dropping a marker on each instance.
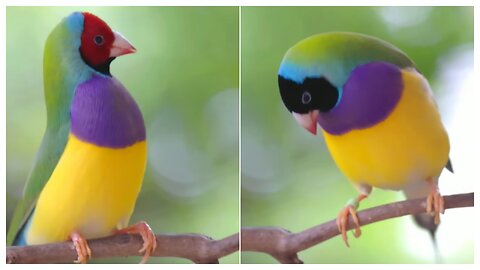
(377, 113)
(90, 166)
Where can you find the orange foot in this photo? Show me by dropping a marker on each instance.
(149, 240)
(342, 222)
(342, 218)
(435, 202)
(81, 246)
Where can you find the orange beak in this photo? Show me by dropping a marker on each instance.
(121, 46)
(308, 120)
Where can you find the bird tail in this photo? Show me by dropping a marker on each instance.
(20, 238)
(421, 189)
(427, 222)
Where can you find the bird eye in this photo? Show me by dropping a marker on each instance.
(98, 40)
(306, 97)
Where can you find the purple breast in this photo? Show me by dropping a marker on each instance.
(103, 113)
(370, 94)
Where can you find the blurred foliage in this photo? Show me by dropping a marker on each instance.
(184, 78)
(288, 177)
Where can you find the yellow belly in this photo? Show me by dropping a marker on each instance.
(411, 144)
(92, 190)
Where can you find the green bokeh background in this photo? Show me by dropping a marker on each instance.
(288, 177)
(184, 78)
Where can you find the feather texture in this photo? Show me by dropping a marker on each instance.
(92, 190)
(63, 71)
(411, 144)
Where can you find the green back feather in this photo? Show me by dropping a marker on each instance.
(335, 54)
(64, 69)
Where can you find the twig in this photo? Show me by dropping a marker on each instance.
(284, 245)
(195, 247)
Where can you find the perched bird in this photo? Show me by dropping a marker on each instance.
(377, 113)
(90, 166)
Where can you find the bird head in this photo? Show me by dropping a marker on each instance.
(82, 39)
(80, 45)
(315, 73)
(306, 98)
(100, 45)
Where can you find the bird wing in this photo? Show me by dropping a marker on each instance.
(448, 166)
(51, 149)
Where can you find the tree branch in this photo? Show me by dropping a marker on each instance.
(279, 243)
(284, 245)
(195, 247)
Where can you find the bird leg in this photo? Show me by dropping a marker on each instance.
(435, 202)
(149, 239)
(81, 246)
(342, 218)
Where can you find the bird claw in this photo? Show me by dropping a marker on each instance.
(342, 222)
(149, 239)
(81, 246)
(435, 205)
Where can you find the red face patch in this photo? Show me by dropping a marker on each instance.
(97, 39)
